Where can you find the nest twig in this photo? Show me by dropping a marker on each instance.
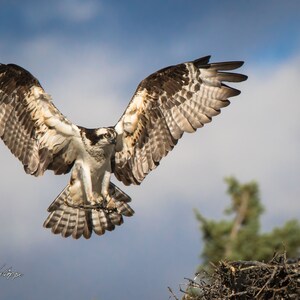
(277, 279)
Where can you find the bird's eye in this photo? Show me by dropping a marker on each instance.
(104, 135)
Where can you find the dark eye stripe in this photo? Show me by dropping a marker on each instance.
(104, 135)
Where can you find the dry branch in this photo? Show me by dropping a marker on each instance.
(277, 279)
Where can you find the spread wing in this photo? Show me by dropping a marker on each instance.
(166, 104)
(31, 126)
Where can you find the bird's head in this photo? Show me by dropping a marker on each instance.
(102, 137)
(106, 136)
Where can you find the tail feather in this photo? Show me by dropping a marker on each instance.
(71, 223)
(87, 231)
(79, 224)
(116, 218)
(105, 220)
(60, 223)
(124, 209)
(77, 221)
(98, 226)
(121, 199)
(68, 229)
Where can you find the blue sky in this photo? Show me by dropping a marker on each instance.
(90, 56)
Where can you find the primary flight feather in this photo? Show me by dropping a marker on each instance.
(166, 104)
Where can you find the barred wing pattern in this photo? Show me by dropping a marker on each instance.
(166, 104)
(31, 126)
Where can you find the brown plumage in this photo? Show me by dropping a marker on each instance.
(170, 102)
(79, 220)
(166, 104)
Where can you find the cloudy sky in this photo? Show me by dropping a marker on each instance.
(90, 56)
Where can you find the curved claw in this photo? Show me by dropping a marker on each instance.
(110, 202)
(97, 199)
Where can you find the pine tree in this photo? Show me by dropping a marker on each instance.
(239, 238)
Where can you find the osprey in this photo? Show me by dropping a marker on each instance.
(166, 104)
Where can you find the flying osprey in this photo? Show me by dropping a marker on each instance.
(166, 104)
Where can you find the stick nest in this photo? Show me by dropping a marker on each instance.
(278, 279)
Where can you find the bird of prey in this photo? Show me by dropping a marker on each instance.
(171, 101)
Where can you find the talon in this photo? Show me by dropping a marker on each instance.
(110, 203)
(96, 199)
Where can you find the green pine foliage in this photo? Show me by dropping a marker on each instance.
(238, 237)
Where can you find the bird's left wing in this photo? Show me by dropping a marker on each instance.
(166, 104)
(31, 126)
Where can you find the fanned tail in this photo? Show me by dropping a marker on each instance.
(81, 220)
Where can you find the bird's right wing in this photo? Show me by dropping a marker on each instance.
(32, 127)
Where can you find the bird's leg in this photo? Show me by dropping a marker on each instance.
(85, 178)
(105, 191)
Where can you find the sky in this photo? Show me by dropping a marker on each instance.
(90, 56)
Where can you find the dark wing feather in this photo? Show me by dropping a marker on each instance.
(166, 104)
(31, 126)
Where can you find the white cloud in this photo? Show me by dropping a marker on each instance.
(76, 11)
